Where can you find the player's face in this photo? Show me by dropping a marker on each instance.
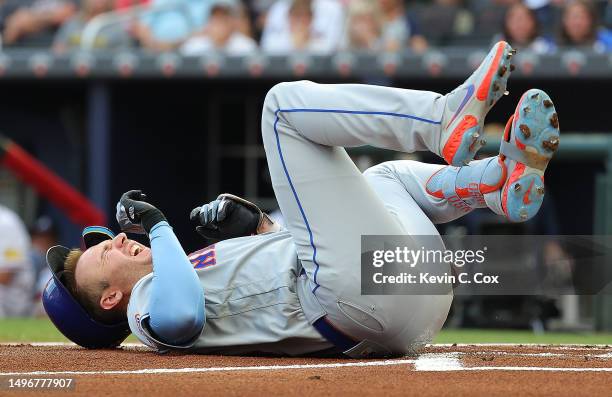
(520, 24)
(577, 21)
(120, 262)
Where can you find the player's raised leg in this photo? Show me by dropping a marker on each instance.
(349, 115)
(328, 205)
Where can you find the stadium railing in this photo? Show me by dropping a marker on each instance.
(452, 62)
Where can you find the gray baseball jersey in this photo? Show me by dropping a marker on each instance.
(251, 290)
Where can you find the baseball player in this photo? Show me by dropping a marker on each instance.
(260, 289)
(16, 270)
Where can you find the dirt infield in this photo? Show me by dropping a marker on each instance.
(441, 370)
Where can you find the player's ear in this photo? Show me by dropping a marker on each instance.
(110, 298)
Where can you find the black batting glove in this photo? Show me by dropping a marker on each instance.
(135, 215)
(226, 217)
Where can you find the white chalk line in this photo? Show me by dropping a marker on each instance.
(438, 362)
(532, 369)
(381, 363)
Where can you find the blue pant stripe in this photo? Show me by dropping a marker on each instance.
(359, 112)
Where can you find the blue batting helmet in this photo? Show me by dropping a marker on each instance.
(66, 313)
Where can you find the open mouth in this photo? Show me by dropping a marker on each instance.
(135, 250)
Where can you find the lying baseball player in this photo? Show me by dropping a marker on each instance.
(295, 291)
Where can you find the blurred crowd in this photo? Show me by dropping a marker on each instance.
(239, 27)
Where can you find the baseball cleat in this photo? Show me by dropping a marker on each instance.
(511, 184)
(467, 106)
(530, 140)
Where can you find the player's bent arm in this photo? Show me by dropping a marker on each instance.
(230, 216)
(176, 314)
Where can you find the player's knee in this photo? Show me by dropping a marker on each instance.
(382, 169)
(285, 95)
(279, 97)
(274, 97)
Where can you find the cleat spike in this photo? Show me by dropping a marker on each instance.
(554, 120)
(502, 70)
(475, 136)
(513, 51)
(523, 214)
(512, 67)
(547, 103)
(509, 56)
(517, 187)
(526, 109)
(506, 92)
(483, 142)
(552, 144)
(540, 190)
(525, 130)
(535, 96)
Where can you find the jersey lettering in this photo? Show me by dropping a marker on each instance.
(203, 258)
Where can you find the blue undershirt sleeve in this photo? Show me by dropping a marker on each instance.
(176, 309)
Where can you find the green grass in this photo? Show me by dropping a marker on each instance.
(42, 330)
(32, 330)
(514, 336)
(29, 330)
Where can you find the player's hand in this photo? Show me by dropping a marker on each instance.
(135, 215)
(226, 217)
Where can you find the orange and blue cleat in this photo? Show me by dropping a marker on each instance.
(530, 140)
(512, 183)
(467, 106)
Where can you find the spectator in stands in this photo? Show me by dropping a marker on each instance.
(69, 35)
(364, 26)
(221, 32)
(546, 12)
(303, 25)
(489, 16)
(443, 22)
(33, 23)
(169, 23)
(245, 21)
(521, 30)
(398, 30)
(258, 12)
(16, 271)
(579, 27)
